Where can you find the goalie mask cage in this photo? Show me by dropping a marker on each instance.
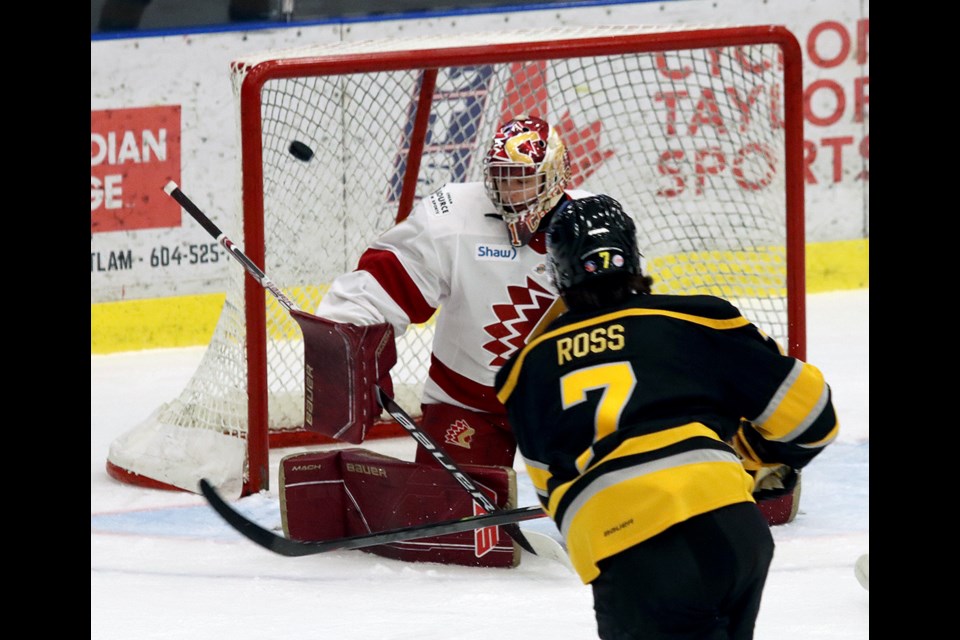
(696, 130)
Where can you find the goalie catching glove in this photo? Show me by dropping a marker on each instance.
(343, 364)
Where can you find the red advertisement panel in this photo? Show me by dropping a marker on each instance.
(133, 154)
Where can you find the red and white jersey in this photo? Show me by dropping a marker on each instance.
(450, 253)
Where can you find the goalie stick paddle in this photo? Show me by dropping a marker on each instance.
(291, 548)
(537, 544)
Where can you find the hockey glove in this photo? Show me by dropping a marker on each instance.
(747, 443)
(772, 482)
(776, 491)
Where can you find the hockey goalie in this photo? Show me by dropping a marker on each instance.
(475, 251)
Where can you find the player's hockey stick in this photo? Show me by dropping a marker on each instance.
(173, 190)
(287, 547)
(538, 544)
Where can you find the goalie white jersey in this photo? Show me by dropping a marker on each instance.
(453, 252)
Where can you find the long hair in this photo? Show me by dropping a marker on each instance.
(606, 291)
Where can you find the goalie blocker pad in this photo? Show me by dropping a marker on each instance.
(342, 365)
(327, 495)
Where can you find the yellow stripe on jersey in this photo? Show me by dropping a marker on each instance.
(819, 444)
(625, 507)
(640, 444)
(720, 324)
(798, 402)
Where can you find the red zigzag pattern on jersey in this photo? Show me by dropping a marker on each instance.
(517, 319)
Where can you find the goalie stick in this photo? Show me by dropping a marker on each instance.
(538, 544)
(287, 547)
(174, 192)
(554, 550)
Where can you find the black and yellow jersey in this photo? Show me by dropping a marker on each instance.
(622, 418)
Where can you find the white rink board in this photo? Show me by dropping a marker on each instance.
(192, 71)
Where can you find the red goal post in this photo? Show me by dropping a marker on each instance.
(698, 131)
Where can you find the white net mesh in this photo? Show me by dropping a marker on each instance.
(690, 140)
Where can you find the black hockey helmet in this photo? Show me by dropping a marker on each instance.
(589, 238)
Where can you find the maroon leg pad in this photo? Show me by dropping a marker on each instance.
(312, 496)
(378, 492)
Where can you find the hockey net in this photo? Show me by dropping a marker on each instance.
(696, 130)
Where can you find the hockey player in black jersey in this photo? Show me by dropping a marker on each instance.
(644, 421)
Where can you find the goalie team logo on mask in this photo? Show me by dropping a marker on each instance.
(460, 434)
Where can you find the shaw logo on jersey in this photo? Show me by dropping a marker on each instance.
(496, 252)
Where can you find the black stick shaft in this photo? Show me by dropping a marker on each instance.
(287, 547)
(174, 192)
(401, 416)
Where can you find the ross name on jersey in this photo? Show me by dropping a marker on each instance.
(584, 343)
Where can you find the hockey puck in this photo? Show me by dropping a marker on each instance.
(300, 151)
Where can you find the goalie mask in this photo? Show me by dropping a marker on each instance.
(525, 172)
(589, 238)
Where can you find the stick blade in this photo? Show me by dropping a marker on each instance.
(546, 546)
(251, 530)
